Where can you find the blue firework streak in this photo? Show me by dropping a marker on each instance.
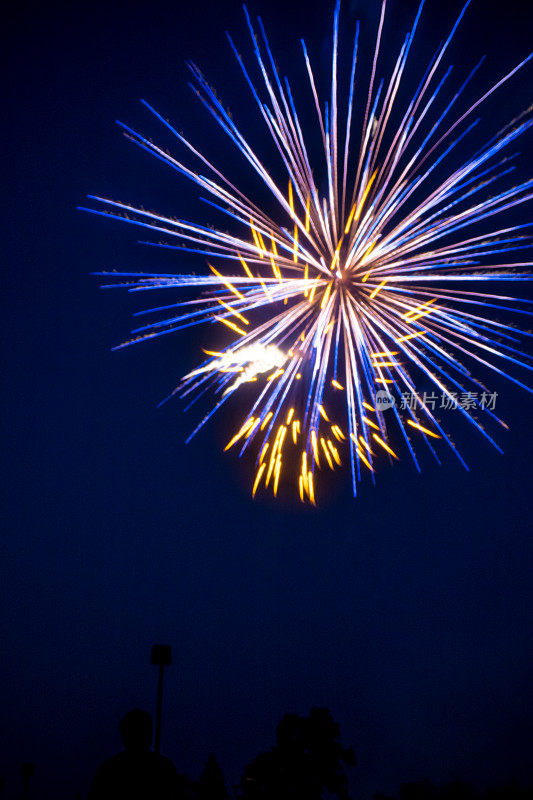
(368, 288)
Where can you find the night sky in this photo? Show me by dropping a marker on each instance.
(407, 611)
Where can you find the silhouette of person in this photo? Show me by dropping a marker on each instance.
(136, 773)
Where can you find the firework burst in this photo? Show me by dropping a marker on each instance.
(350, 295)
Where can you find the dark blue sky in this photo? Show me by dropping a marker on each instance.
(407, 611)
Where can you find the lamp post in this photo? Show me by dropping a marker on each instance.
(28, 771)
(161, 658)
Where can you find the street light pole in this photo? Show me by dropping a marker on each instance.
(161, 658)
(28, 771)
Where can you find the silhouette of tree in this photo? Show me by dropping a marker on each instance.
(211, 784)
(137, 773)
(458, 790)
(306, 761)
(420, 790)
(510, 792)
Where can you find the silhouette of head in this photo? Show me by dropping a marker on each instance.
(135, 729)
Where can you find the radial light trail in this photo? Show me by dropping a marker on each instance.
(369, 285)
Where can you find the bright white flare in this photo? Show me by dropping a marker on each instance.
(249, 361)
